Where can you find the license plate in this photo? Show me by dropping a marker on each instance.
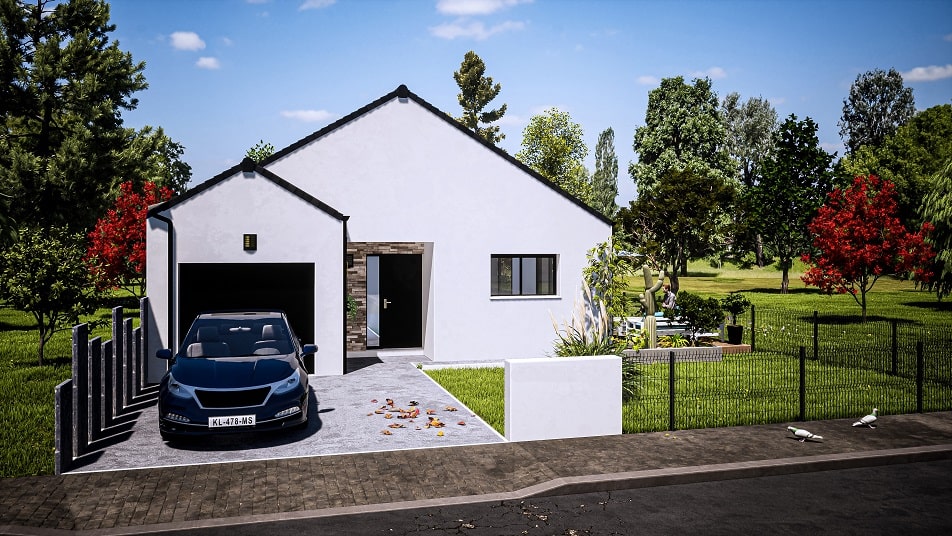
(230, 421)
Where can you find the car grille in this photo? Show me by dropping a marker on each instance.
(232, 399)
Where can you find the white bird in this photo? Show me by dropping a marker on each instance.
(867, 420)
(803, 435)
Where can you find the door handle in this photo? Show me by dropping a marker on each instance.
(386, 302)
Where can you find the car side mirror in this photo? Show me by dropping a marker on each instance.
(164, 353)
(309, 349)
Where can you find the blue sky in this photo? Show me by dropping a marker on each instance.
(224, 74)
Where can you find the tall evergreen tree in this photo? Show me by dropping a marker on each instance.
(792, 187)
(605, 178)
(63, 89)
(476, 92)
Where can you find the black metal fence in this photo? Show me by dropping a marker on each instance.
(95, 407)
(801, 367)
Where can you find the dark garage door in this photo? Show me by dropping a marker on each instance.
(285, 286)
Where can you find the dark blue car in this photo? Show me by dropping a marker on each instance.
(235, 372)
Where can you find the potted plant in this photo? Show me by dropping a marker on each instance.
(735, 304)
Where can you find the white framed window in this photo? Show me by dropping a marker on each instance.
(522, 275)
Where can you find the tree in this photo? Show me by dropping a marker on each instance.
(749, 129)
(151, 156)
(260, 151)
(749, 139)
(909, 158)
(476, 92)
(683, 130)
(117, 251)
(44, 274)
(793, 184)
(553, 145)
(64, 86)
(937, 209)
(605, 178)
(858, 238)
(877, 105)
(678, 221)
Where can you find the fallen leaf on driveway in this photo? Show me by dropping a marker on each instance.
(414, 403)
(374, 401)
(387, 432)
(431, 412)
(450, 408)
(388, 416)
(439, 434)
(462, 423)
(396, 425)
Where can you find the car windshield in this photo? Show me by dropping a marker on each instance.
(237, 337)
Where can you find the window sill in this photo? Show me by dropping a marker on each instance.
(527, 297)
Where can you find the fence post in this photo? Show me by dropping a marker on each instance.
(108, 383)
(63, 440)
(128, 363)
(895, 347)
(920, 375)
(803, 383)
(95, 388)
(141, 358)
(816, 335)
(671, 396)
(80, 424)
(753, 328)
(117, 362)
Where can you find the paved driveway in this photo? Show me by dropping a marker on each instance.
(342, 421)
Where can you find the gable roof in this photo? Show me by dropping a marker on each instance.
(402, 92)
(248, 166)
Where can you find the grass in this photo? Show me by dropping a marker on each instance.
(26, 389)
(764, 387)
(481, 389)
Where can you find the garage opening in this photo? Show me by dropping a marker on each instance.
(234, 286)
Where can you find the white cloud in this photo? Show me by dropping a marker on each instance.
(648, 80)
(776, 101)
(206, 62)
(227, 42)
(714, 73)
(475, 7)
(315, 4)
(308, 116)
(947, 37)
(473, 30)
(186, 41)
(928, 74)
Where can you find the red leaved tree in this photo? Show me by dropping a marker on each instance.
(116, 253)
(858, 238)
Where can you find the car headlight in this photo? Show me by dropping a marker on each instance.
(178, 389)
(288, 384)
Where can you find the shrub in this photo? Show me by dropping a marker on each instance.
(735, 304)
(700, 314)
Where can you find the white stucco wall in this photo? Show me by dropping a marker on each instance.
(404, 175)
(208, 228)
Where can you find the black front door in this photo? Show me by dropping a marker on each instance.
(401, 301)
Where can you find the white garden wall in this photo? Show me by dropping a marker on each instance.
(562, 397)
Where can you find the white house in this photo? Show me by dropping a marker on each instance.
(451, 248)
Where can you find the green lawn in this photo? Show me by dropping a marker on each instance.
(763, 387)
(26, 389)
